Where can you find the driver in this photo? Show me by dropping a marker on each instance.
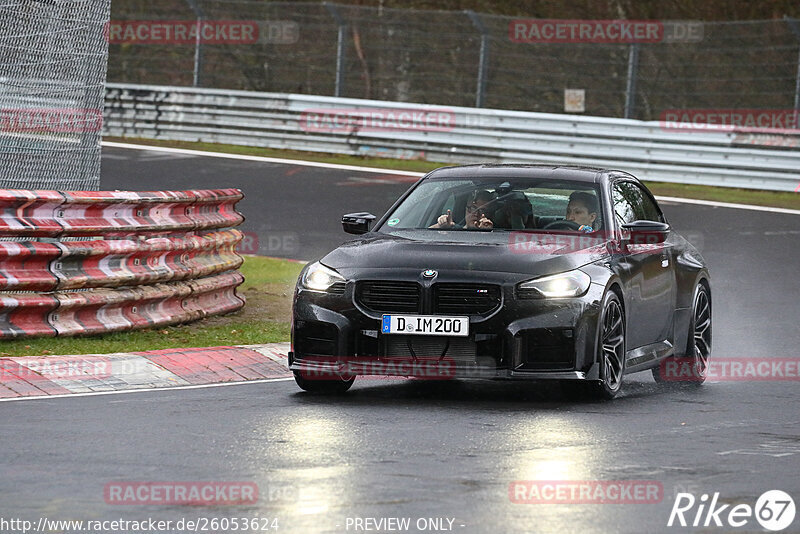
(582, 210)
(474, 214)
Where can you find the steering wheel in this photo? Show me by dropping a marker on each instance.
(562, 225)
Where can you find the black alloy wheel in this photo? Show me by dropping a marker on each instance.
(611, 349)
(610, 355)
(698, 347)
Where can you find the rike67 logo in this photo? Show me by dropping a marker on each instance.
(774, 510)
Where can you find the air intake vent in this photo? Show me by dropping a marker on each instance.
(454, 349)
(337, 288)
(315, 339)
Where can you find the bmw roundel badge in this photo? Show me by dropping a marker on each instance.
(429, 273)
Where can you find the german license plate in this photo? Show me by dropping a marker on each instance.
(426, 325)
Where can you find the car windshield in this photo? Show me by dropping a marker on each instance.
(465, 207)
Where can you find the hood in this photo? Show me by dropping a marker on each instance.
(532, 254)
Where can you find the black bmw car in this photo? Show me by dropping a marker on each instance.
(506, 272)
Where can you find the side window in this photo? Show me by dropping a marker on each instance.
(631, 204)
(624, 198)
(650, 211)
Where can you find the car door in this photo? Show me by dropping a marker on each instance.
(649, 269)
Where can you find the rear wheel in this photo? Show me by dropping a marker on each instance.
(323, 386)
(698, 348)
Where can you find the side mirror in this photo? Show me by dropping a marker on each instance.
(357, 223)
(647, 232)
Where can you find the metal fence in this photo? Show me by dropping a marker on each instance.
(456, 58)
(449, 134)
(52, 76)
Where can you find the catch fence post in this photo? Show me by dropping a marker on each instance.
(340, 47)
(483, 59)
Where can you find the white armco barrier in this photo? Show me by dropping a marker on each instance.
(651, 150)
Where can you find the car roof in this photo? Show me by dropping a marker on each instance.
(528, 170)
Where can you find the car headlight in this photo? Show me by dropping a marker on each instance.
(569, 284)
(320, 278)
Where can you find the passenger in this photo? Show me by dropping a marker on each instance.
(474, 214)
(516, 213)
(582, 210)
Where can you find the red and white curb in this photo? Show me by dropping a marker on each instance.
(33, 376)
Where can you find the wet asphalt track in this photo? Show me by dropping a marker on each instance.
(395, 448)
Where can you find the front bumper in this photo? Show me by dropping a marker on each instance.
(430, 370)
(537, 339)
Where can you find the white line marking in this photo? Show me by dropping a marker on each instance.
(378, 170)
(728, 205)
(264, 159)
(146, 390)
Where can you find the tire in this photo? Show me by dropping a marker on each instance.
(610, 349)
(328, 387)
(698, 345)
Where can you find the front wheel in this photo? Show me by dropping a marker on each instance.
(324, 386)
(610, 349)
(610, 356)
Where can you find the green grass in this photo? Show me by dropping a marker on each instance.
(779, 199)
(756, 197)
(259, 271)
(268, 287)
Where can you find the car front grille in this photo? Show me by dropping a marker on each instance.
(470, 299)
(385, 296)
(455, 349)
(389, 296)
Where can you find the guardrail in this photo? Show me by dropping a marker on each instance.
(165, 257)
(446, 134)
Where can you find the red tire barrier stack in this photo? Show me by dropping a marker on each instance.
(29, 213)
(114, 263)
(162, 257)
(23, 315)
(116, 213)
(24, 266)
